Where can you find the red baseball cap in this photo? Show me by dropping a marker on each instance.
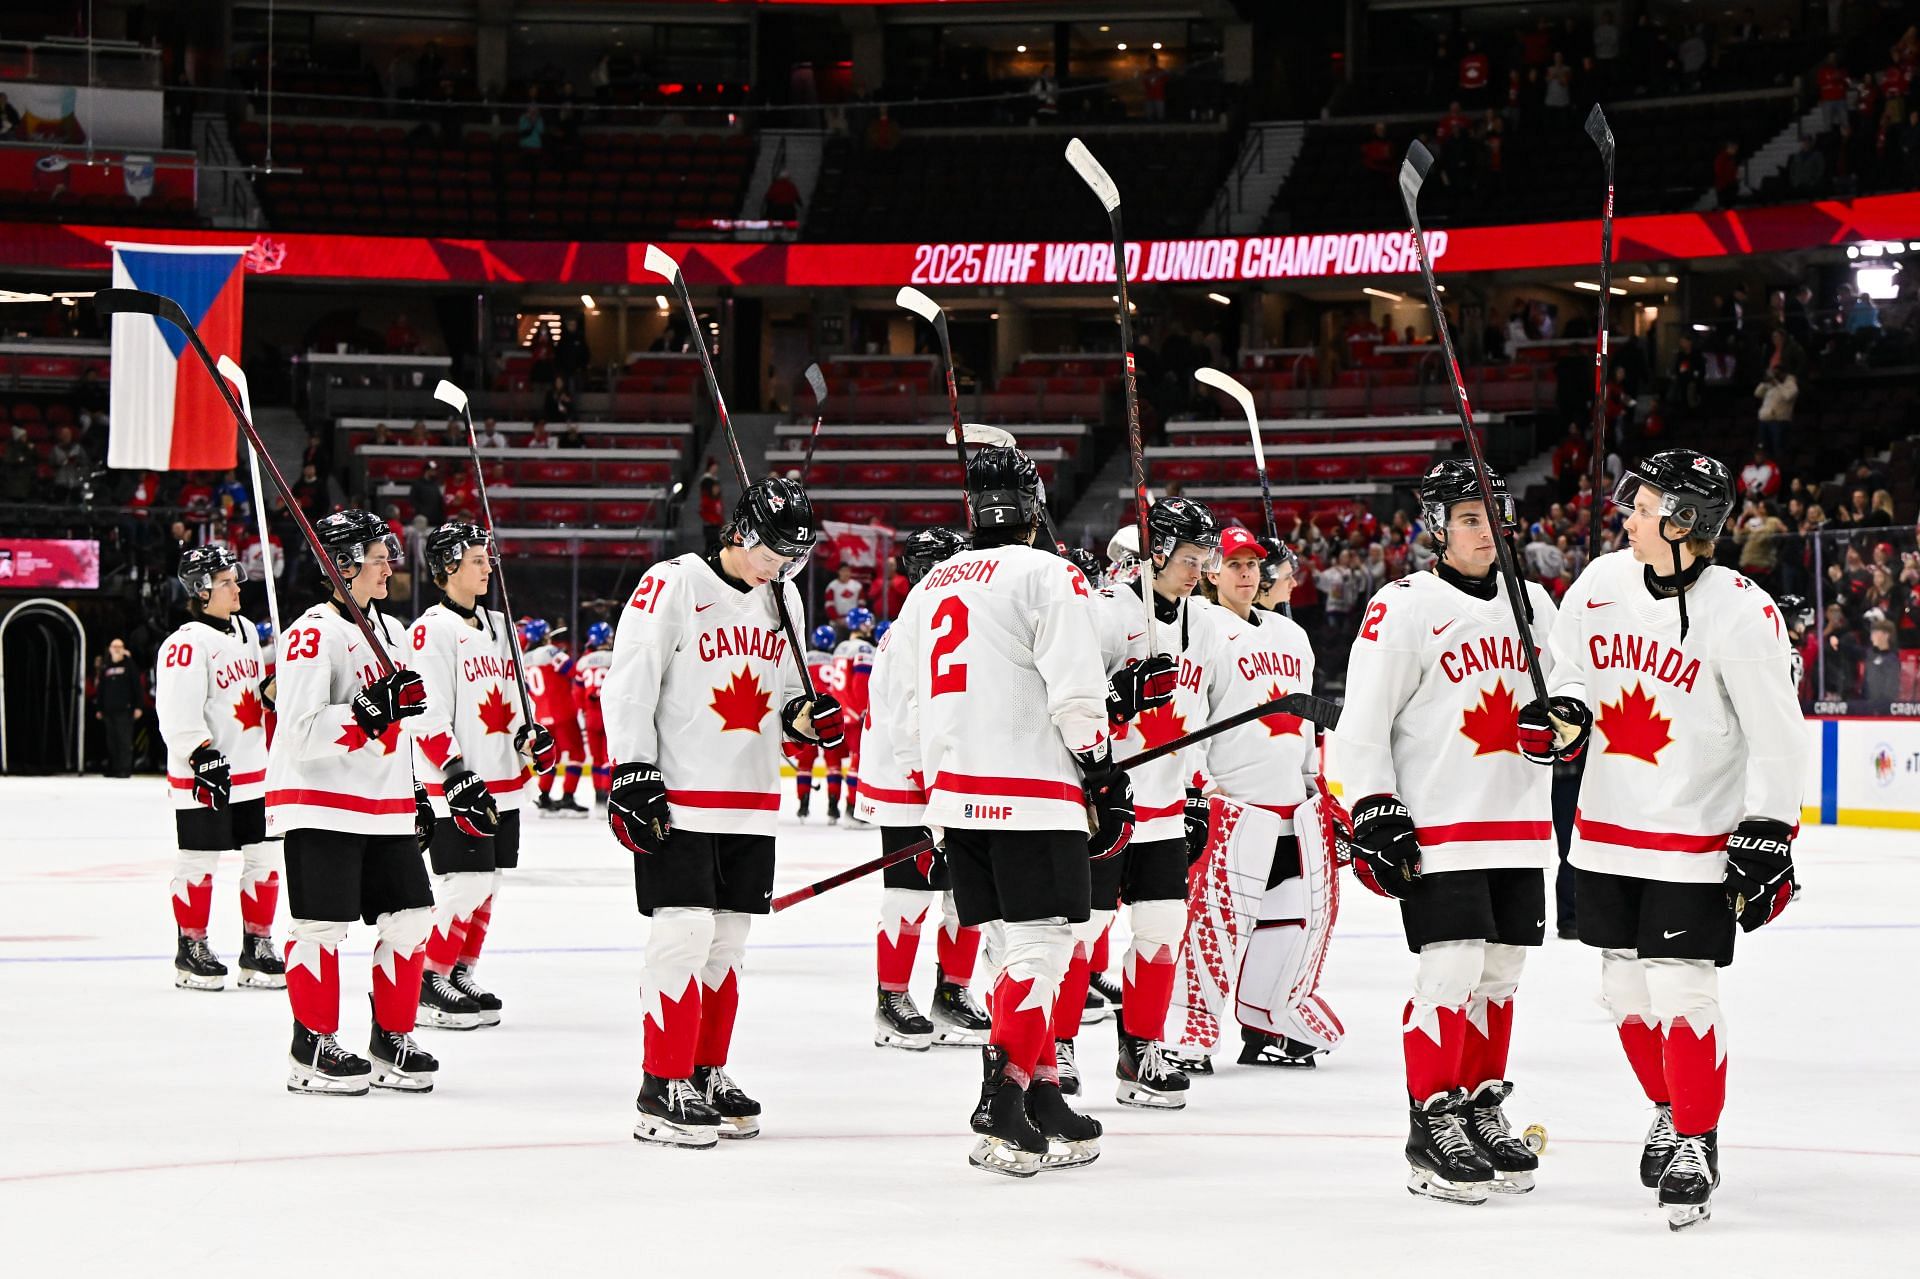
(1237, 539)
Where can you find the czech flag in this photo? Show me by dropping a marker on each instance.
(167, 414)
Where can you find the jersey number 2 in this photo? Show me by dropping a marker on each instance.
(1370, 629)
(952, 678)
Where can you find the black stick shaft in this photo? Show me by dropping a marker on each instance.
(1602, 341)
(813, 438)
(1136, 449)
(499, 565)
(953, 413)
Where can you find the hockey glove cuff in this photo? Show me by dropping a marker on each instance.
(268, 687)
(828, 721)
(212, 777)
(1386, 854)
(387, 701)
(637, 808)
(1141, 686)
(1109, 799)
(471, 805)
(1198, 812)
(536, 743)
(423, 818)
(1760, 880)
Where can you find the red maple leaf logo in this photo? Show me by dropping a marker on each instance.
(495, 713)
(436, 747)
(249, 710)
(353, 737)
(1160, 725)
(1280, 724)
(742, 704)
(1634, 725)
(1493, 726)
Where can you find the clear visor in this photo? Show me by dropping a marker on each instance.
(1198, 559)
(387, 540)
(207, 581)
(1672, 509)
(768, 562)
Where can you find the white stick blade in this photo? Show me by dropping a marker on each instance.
(1221, 382)
(1092, 174)
(818, 381)
(978, 433)
(452, 396)
(661, 263)
(231, 371)
(918, 303)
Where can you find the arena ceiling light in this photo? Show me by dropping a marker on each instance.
(586, 300)
(1221, 298)
(1370, 291)
(12, 295)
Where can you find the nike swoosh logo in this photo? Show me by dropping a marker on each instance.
(1670, 936)
(1438, 629)
(1136, 635)
(1233, 639)
(1539, 923)
(1598, 603)
(701, 608)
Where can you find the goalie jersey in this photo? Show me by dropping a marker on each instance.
(1270, 763)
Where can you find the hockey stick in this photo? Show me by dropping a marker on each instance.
(231, 371)
(1305, 705)
(662, 264)
(1413, 172)
(930, 311)
(1603, 138)
(1221, 382)
(141, 302)
(455, 398)
(818, 382)
(1102, 186)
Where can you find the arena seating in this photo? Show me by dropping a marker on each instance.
(1286, 382)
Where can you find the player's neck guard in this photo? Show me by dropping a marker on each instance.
(456, 606)
(1665, 588)
(1481, 588)
(713, 562)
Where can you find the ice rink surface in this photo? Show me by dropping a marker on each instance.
(145, 1130)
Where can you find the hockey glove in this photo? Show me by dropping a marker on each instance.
(1141, 686)
(818, 724)
(1555, 732)
(536, 743)
(637, 808)
(1109, 802)
(1198, 812)
(423, 818)
(1759, 879)
(1386, 855)
(388, 700)
(934, 859)
(268, 687)
(212, 778)
(471, 804)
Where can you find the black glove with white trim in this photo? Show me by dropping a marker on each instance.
(1386, 853)
(212, 777)
(1760, 879)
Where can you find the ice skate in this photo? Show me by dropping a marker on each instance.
(443, 1007)
(739, 1113)
(833, 811)
(1069, 1068)
(1073, 1139)
(260, 967)
(195, 967)
(1442, 1161)
(958, 1021)
(1258, 1048)
(1661, 1142)
(898, 1024)
(400, 1064)
(1146, 1078)
(1486, 1124)
(488, 1002)
(568, 806)
(1009, 1143)
(1108, 989)
(673, 1113)
(1687, 1186)
(1188, 1063)
(1097, 1008)
(544, 802)
(322, 1068)
(805, 806)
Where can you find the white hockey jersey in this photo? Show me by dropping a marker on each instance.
(888, 796)
(324, 772)
(1008, 684)
(206, 688)
(1270, 763)
(1160, 787)
(1688, 738)
(473, 706)
(1435, 682)
(700, 672)
(589, 678)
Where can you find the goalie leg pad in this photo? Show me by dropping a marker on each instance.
(1278, 991)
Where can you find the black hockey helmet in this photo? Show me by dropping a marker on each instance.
(448, 545)
(1796, 611)
(346, 535)
(1003, 489)
(921, 549)
(1173, 520)
(1279, 555)
(201, 564)
(1088, 562)
(1696, 491)
(1452, 480)
(776, 513)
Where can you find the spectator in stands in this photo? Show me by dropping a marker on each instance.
(455, 434)
(1760, 478)
(1726, 174)
(1861, 315)
(559, 401)
(712, 512)
(1807, 170)
(1842, 655)
(462, 495)
(1544, 562)
(782, 203)
(571, 437)
(1343, 583)
(571, 357)
(491, 436)
(1687, 375)
(382, 436)
(532, 126)
(1776, 393)
(844, 593)
(1570, 459)
(417, 437)
(1785, 353)
(71, 467)
(16, 482)
(401, 339)
(883, 135)
(1557, 97)
(1831, 91)
(1046, 108)
(310, 491)
(1692, 55)
(1153, 82)
(425, 495)
(537, 438)
(897, 587)
(1758, 537)
(1376, 153)
(566, 121)
(1606, 45)
(230, 497)
(1880, 665)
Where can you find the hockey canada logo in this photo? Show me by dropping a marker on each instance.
(1703, 464)
(775, 502)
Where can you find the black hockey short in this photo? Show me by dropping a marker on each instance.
(1018, 875)
(1150, 872)
(700, 868)
(1507, 906)
(335, 875)
(454, 850)
(1658, 919)
(907, 874)
(207, 830)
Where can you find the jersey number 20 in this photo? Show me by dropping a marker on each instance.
(952, 677)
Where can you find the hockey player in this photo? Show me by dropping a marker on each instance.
(589, 673)
(802, 754)
(1453, 820)
(1691, 796)
(861, 624)
(701, 687)
(1151, 876)
(211, 693)
(897, 804)
(467, 754)
(341, 791)
(549, 668)
(853, 671)
(1006, 722)
(1274, 765)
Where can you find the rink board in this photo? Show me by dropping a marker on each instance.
(1863, 771)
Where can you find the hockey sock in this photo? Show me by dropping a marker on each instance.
(398, 958)
(1146, 978)
(456, 896)
(833, 788)
(802, 784)
(853, 790)
(903, 911)
(720, 988)
(1098, 959)
(259, 887)
(313, 973)
(1694, 1052)
(1037, 952)
(1432, 1037)
(1490, 1016)
(672, 1030)
(1072, 1002)
(1647, 1057)
(1623, 989)
(602, 781)
(572, 782)
(1047, 1068)
(958, 948)
(192, 904)
(677, 949)
(476, 935)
